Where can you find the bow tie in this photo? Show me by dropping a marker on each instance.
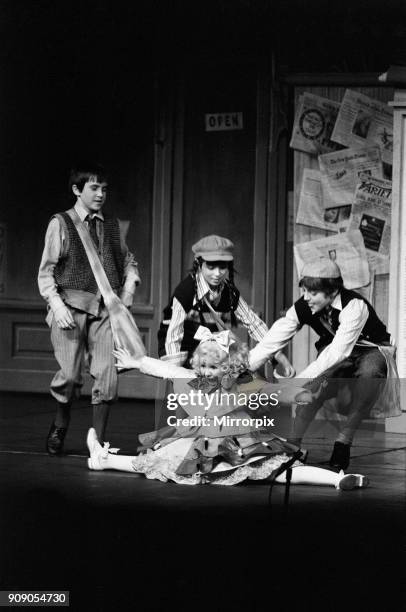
(205, 384)
(210, 385)
(245, 377)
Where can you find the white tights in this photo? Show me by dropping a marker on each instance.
(302, 474)
(310, 475)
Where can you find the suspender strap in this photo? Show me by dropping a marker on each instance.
(124, 329)
(220, 324)
(100, 275)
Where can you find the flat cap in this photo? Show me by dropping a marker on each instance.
(214, 248)
(323, 267)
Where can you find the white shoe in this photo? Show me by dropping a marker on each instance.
(352, 481)
(97, 453)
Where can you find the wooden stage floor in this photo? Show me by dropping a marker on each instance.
(118, 541)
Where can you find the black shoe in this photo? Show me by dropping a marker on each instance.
(55, 439)
(340, 457)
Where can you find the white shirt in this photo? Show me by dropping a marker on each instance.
(352, 319)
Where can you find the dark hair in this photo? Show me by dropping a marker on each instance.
(326, 285)
(85, 170)
(232, 289)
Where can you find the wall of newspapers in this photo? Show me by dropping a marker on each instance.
(343, 149)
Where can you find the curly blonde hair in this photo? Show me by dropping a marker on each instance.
(234, 363)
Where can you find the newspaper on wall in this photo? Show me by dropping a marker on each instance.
(364, 121)
(340, 172)
(346, 248)
(314, 122)
(311, 210)
(371, 214)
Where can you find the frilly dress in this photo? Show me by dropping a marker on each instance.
(215, 450)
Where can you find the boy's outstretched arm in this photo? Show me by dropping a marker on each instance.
(274, 340)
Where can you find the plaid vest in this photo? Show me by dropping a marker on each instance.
(73, 271)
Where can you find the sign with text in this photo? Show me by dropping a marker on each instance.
(216, 122)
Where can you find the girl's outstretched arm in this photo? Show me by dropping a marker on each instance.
(151, 366)
(125, 360)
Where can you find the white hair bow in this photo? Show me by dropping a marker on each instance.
(223, 338)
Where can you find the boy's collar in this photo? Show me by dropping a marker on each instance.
(336, 303)
(82, 212)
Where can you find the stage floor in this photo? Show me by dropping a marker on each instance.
(117, 541)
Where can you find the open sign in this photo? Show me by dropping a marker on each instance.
(216, 122)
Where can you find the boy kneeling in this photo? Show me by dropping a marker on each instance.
(353, 344)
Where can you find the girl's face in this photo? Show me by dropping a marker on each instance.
(210, 365)
(210, 369)
(214, 272)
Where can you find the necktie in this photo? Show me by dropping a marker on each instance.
(329, 316)
(92, 230)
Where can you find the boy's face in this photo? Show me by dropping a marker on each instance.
(214, 272)
(317, 300)
(92, 196)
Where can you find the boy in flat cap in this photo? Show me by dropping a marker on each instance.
(208, 297)
(353, 344)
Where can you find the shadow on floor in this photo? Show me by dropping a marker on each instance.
(117, 541)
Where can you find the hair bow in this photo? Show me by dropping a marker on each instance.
(223, 338)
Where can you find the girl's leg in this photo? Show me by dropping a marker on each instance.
(122, 463)
(101, 459)
(307, 474)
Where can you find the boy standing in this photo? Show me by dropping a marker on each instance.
(77, 316)
(350, 346)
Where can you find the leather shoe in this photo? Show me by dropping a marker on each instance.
(55, 439)
(340, 457)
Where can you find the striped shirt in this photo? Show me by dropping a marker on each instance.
(255, 326)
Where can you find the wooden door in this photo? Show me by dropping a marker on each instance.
(222, 176)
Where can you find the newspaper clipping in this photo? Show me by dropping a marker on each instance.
(313, 125)
(311, 210)
(347, 249)
(340, 172)
(371, 214)
(364, 121)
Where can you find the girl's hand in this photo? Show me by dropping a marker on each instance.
(125, 360)
(284, 365)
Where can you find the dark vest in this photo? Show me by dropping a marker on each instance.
(185, 294)
(373, 331)
(73, 271)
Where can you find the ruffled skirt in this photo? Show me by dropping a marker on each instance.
(221, 461)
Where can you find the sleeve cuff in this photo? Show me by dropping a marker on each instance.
(56, 303)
